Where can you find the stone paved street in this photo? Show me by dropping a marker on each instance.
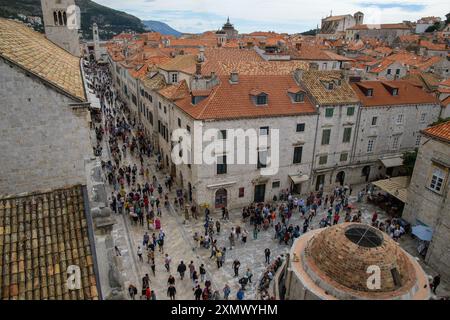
(180, 244)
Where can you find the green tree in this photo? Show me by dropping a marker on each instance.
(439, 121)
(409, 159)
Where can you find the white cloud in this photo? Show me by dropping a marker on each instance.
(193, 15)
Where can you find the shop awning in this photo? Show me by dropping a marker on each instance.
(392, 161)
(396, 187)
(422, 232)
(299, 178)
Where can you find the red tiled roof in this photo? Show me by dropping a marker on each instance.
(445, 83)
(433, 46)
(231, 101)
(223, 61)
(440, 131)
(407, 93)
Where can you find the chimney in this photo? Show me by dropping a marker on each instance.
(298, 74)
(201, 55)
(234, 77)
(198, 68)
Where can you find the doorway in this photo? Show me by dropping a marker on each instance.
(260, 192)
(340, 177)
(221, 198)
(366, 172)
(320, 181)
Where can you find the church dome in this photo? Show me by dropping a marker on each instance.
(342, 258)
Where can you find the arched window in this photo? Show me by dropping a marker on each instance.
(55, 18)
(65, 18)
(60, 20)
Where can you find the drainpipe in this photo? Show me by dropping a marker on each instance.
(438, 223)
(313, 165)
(356, 136)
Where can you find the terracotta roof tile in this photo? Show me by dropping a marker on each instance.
(407, 93)
(185, 63)
(233, 101)
(440, 131)
(40, 236)
(33, 52)
(315, 82)
(223, 61)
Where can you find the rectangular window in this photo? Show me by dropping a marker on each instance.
(264, 131)
(241, 192)
(275, 184)
(223, 134)
(389, 71)
(299, 97)
(142, 92)
(329, 112)
(188, 128)
(326, 133)
(150, 98)
(174, 78)
(399, 119)
(159, 104)
(323, 159)
(370, 144)
(261, 99)
(298, 154)
(395, 142)
(397, 72)
(133, 98)
(262, 159)
(300, 127)
(347, 135)
(221, 164)
(350, 111)
(374, 121)
(369, 92)
(437, 179)
(343, 157)
(418, 137)
(165, 109)
(422, 117)
(179, 122)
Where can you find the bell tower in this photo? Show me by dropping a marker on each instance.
(96, 39)
(61, 22)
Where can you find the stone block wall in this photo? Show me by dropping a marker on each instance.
(43, 140)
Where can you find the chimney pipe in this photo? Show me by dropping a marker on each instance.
(234, 77)
(198, 68)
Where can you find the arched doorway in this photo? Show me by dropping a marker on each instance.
(221, 198)
(340, 177)
(366, 172)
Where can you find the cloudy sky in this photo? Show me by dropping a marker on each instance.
(272, 15)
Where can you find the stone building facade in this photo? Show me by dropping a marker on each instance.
(429, 191)
(389, 123)
(45, 128)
